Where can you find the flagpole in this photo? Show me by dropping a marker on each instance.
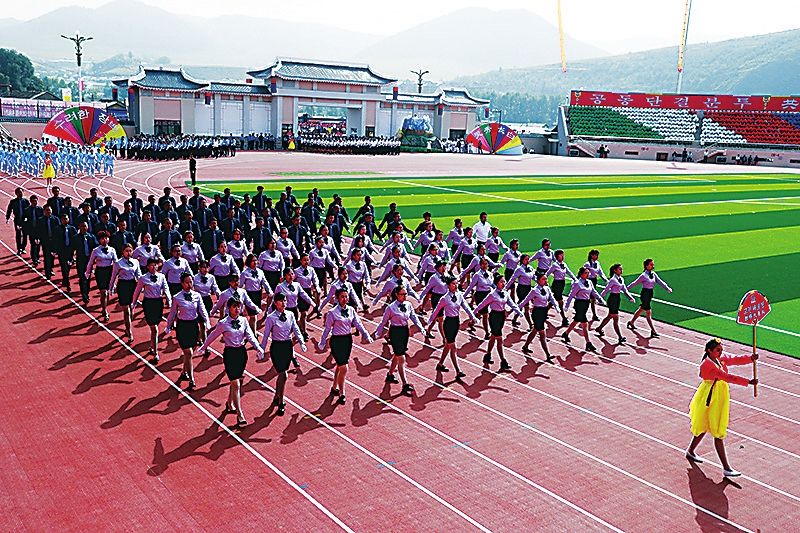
(755, 366)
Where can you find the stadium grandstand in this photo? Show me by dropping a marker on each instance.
(763, 126)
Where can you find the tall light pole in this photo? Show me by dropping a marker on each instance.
(500, 111)
(420, 73)
(79, 40)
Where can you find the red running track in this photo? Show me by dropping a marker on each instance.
(95, 437)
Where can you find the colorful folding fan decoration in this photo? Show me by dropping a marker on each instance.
(495, 138)
(84, 125)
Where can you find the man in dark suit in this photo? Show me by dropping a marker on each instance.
(94, 201)
(90, 218)
(260, 199)
(194, 201)
(64, 237)
(16, 208)
(311, 214)
(203, 215)
(147, 225)
(372, 229)
(167, 238)
(259, 236)
(130, 218)
(30, 226)
(189, 224)
(83, 244)
(47, 225)
(105, 225)
(168, 212)
(229, 224)
(72, 212)
(217, 209)
(335, 231)
(136, 203)
(211, 239)
(56, 202)
(167, 198)
(183, 207)
(110, 208)
(121, 238)
(299, 235)
(193, 169)
(285, 210)
(291, 197)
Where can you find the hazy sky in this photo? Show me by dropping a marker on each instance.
(620, 24)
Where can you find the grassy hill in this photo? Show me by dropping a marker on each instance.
(764, 64)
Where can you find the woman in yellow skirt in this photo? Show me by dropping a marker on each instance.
(49, 172)
(710, 407)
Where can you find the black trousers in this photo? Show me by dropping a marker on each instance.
(22, 237)
(35, 248)
(63, 261)
(48, 259)
(83, 281)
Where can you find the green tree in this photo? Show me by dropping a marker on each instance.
(16, 69)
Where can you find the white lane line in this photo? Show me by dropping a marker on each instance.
(202, 409)
(506, 198)
(679, 204)
(468, 448)
(611, 183)
(552, 438)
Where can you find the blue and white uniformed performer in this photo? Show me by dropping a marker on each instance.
(339, 324)
(186, 313)
(235, 333)
(124, 275)
(595, 270)
(280, 325)
(152, 285)
(542, 298)
(497, 301)
(614, 286)
(582, 292)
(648, 279)
(102, 259)
(451, 304)
(397, 315)
(559, 270)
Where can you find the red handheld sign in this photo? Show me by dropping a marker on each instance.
(752, 309)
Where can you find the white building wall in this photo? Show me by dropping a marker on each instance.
(260, 115)
(231, 117)
(203, 118)
(384, 125)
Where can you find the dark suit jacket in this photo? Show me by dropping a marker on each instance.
(61, 233)
(80, 249)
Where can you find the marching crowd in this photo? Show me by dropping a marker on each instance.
(339, 144)
(172, 147)
(31, 157)
(278, 264)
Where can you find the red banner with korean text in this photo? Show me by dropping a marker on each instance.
(706, 102)
(752, 309)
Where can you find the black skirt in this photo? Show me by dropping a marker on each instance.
(235, 360)
(647, 297)
(494, 256)
(322, 275)
(194, 268)
(539, 316)
(341, 346)
(281, 353)
(174, 288)
(255, 296)
(102, 277)
(125, 288)
(426, 276)
(451, 327)
(496, 321)
(398, 338)
(558, 289)
(153, 310)
(581, 306)
(208, 303)
(239, 263)
(508, 273)
(522, 291)
(613, 303)
(358, 288)
(188, 333)
(594, 282)
(222, 281)
(303, 305)
(480, 296)
(466, 260)
(273, 278)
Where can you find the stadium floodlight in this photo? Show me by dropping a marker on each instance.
(79, 39)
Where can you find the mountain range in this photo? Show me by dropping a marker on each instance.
(764, 64)
(467, 41)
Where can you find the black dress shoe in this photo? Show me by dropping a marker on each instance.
(334, 392)
(590, 347)
(183, 376)
(192, 386)
(342, 400)
(442, 368)
(408, 388)
(488, 359)
(504, 365)
(391, 379)
(460, 375)
(564, 323)
(599, 332)
(295, 362)
(281, 409)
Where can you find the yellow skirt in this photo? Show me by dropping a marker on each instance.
(291, 145)
(714, 417)
(49, 172)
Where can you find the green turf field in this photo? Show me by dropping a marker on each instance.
(713, 238)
